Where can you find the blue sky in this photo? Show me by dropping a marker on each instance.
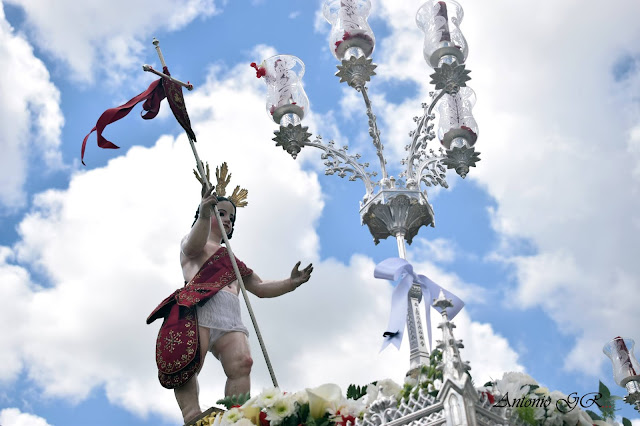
(539, 240)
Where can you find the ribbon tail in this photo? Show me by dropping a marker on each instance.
(399, 306)
(84, 146)
(393, 338)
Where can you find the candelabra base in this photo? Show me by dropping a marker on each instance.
(396, 211)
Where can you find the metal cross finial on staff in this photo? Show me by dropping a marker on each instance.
(150, 69)
(199, 165)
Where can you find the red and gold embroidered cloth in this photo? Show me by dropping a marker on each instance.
(177, 348)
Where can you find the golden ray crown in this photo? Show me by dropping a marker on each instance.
(223, 177)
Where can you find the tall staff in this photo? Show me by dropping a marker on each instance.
(176, 101)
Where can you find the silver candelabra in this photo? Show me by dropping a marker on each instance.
(390, 206)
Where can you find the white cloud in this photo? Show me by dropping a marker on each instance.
(14, 417)
(30, 116)
(109, 247)
(86, 34)
(439, 249)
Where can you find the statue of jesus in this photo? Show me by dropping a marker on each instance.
(204, 315)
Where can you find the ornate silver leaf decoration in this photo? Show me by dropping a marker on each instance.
(450, 78)
(292, 138)
(356, 71)
(461, 159)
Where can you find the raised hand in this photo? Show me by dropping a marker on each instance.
(209, 199)
(201, 179)
(300, 277)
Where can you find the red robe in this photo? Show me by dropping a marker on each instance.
(177, 346)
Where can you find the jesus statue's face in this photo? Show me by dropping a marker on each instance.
(227, 214)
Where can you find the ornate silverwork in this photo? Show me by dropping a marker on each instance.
(461, 159)
(450, 78)
(292, 138)
(633, 397)
(356, 71)
(339, 162)
(396, 211)
(418, 353)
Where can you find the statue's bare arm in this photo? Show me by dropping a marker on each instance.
(193, 244)
(260, 288)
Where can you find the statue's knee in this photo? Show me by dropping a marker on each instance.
(240, 367)
(246, 362)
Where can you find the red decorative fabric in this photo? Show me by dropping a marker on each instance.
(152, 97)
(154, 94)
(177, 347)
(176, 103)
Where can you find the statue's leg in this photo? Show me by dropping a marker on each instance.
(232, 350)
(187, 395)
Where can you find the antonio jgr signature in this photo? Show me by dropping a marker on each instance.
(563, 405)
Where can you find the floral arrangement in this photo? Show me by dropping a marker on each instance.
(321, 406)
(326, 405)
(537, 406)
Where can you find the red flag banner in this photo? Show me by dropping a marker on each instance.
(154, 94)
(176, 102)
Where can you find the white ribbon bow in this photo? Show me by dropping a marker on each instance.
(394, 269)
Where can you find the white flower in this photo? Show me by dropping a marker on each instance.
(350, 407)
(301, 397)
(584, 419)
(322, 398)
(244, 422)
(437, 384)
(388, 387)
(232, 416)
(268, 397)
(282, 408)
(372, 393)
(515, 384)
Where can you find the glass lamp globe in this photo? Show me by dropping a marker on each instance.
(625, 365)
(350, 33)
(286, 98)
(456, 126)
(443, 40)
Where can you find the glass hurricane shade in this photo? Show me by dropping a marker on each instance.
(350, 32)
(443, 40)
(287, 101)
(456, 125)
(625, 365)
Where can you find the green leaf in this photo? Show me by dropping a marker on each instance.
(604, 390)
(290, 421)
(232, 400)
(626, 422)
(531, 387)
(304, 411)
(527, 415)
(606, 404)
(323, 421)
(356, 392)
(593, 415)
(486, 385)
